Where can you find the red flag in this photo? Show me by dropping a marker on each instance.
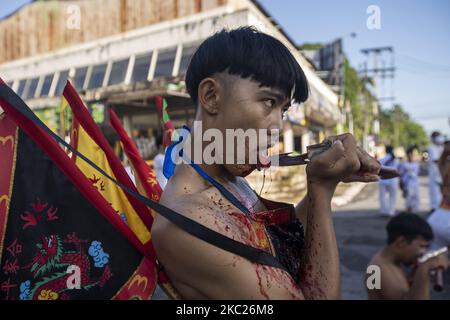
(85, 120)
(52, 218)
(145, 175)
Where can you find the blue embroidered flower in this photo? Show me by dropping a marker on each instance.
(101, 258)
(25, 290)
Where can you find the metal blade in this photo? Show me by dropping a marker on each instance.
(287, 160)
(388, 173)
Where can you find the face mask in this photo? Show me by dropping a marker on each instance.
(439, 140)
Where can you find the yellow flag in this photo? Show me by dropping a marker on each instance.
(110, 191)
(62, 121)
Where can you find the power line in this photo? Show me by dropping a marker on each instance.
(429, 64)
(426, 72)
(423, 68)
(431, 117)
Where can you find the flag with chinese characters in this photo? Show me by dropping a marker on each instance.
(88, 139)
(59, 238)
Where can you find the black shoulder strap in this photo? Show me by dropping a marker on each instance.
(190, 226)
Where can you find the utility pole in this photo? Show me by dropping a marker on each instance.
(345, 107)
(377, 74)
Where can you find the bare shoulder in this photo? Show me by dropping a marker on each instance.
(393, 282)
(200, 270)
(206, 207)
(192, 264)
(377, 260)
(387, 268)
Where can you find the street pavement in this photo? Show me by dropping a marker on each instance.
(360, 232)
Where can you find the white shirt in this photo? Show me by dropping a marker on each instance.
(434, 154)
(409, 171)
(440, 223)
(390, 163)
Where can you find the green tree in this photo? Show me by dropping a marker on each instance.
(310, 46)
(357, 94)
(398, 129)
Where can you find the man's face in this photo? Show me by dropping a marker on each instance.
(245, 105)
(438, 139)
(410, 156)
(414, 249)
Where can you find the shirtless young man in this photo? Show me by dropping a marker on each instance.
(246, 79)
(408, 238)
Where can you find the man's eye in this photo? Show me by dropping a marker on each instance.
(269, 103)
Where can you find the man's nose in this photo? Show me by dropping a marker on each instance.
(276, 120)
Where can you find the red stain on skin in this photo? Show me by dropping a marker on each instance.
(277, 277)
(244, 169)
(258, 275)
(243, 223)
(305, 274)
(309, 279)
(249, 230)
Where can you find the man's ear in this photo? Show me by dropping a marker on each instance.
(209, 94)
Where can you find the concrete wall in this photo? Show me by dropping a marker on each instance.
(45, 26)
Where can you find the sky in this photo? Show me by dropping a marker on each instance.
(418, 30)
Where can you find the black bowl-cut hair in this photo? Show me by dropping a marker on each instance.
(247, 53)
(410, 226)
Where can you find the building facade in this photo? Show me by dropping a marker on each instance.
(123, 53)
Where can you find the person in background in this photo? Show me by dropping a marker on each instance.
(409, 181)
(143, 143)
(152, 145)
(440, 218)
(408, 239)
(434, 176)
(158, 163)
(388, 187)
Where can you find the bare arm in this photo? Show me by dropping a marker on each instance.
(369, 169)
(320, 270)
(344, 161)
(301, 211)
(420, 287)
